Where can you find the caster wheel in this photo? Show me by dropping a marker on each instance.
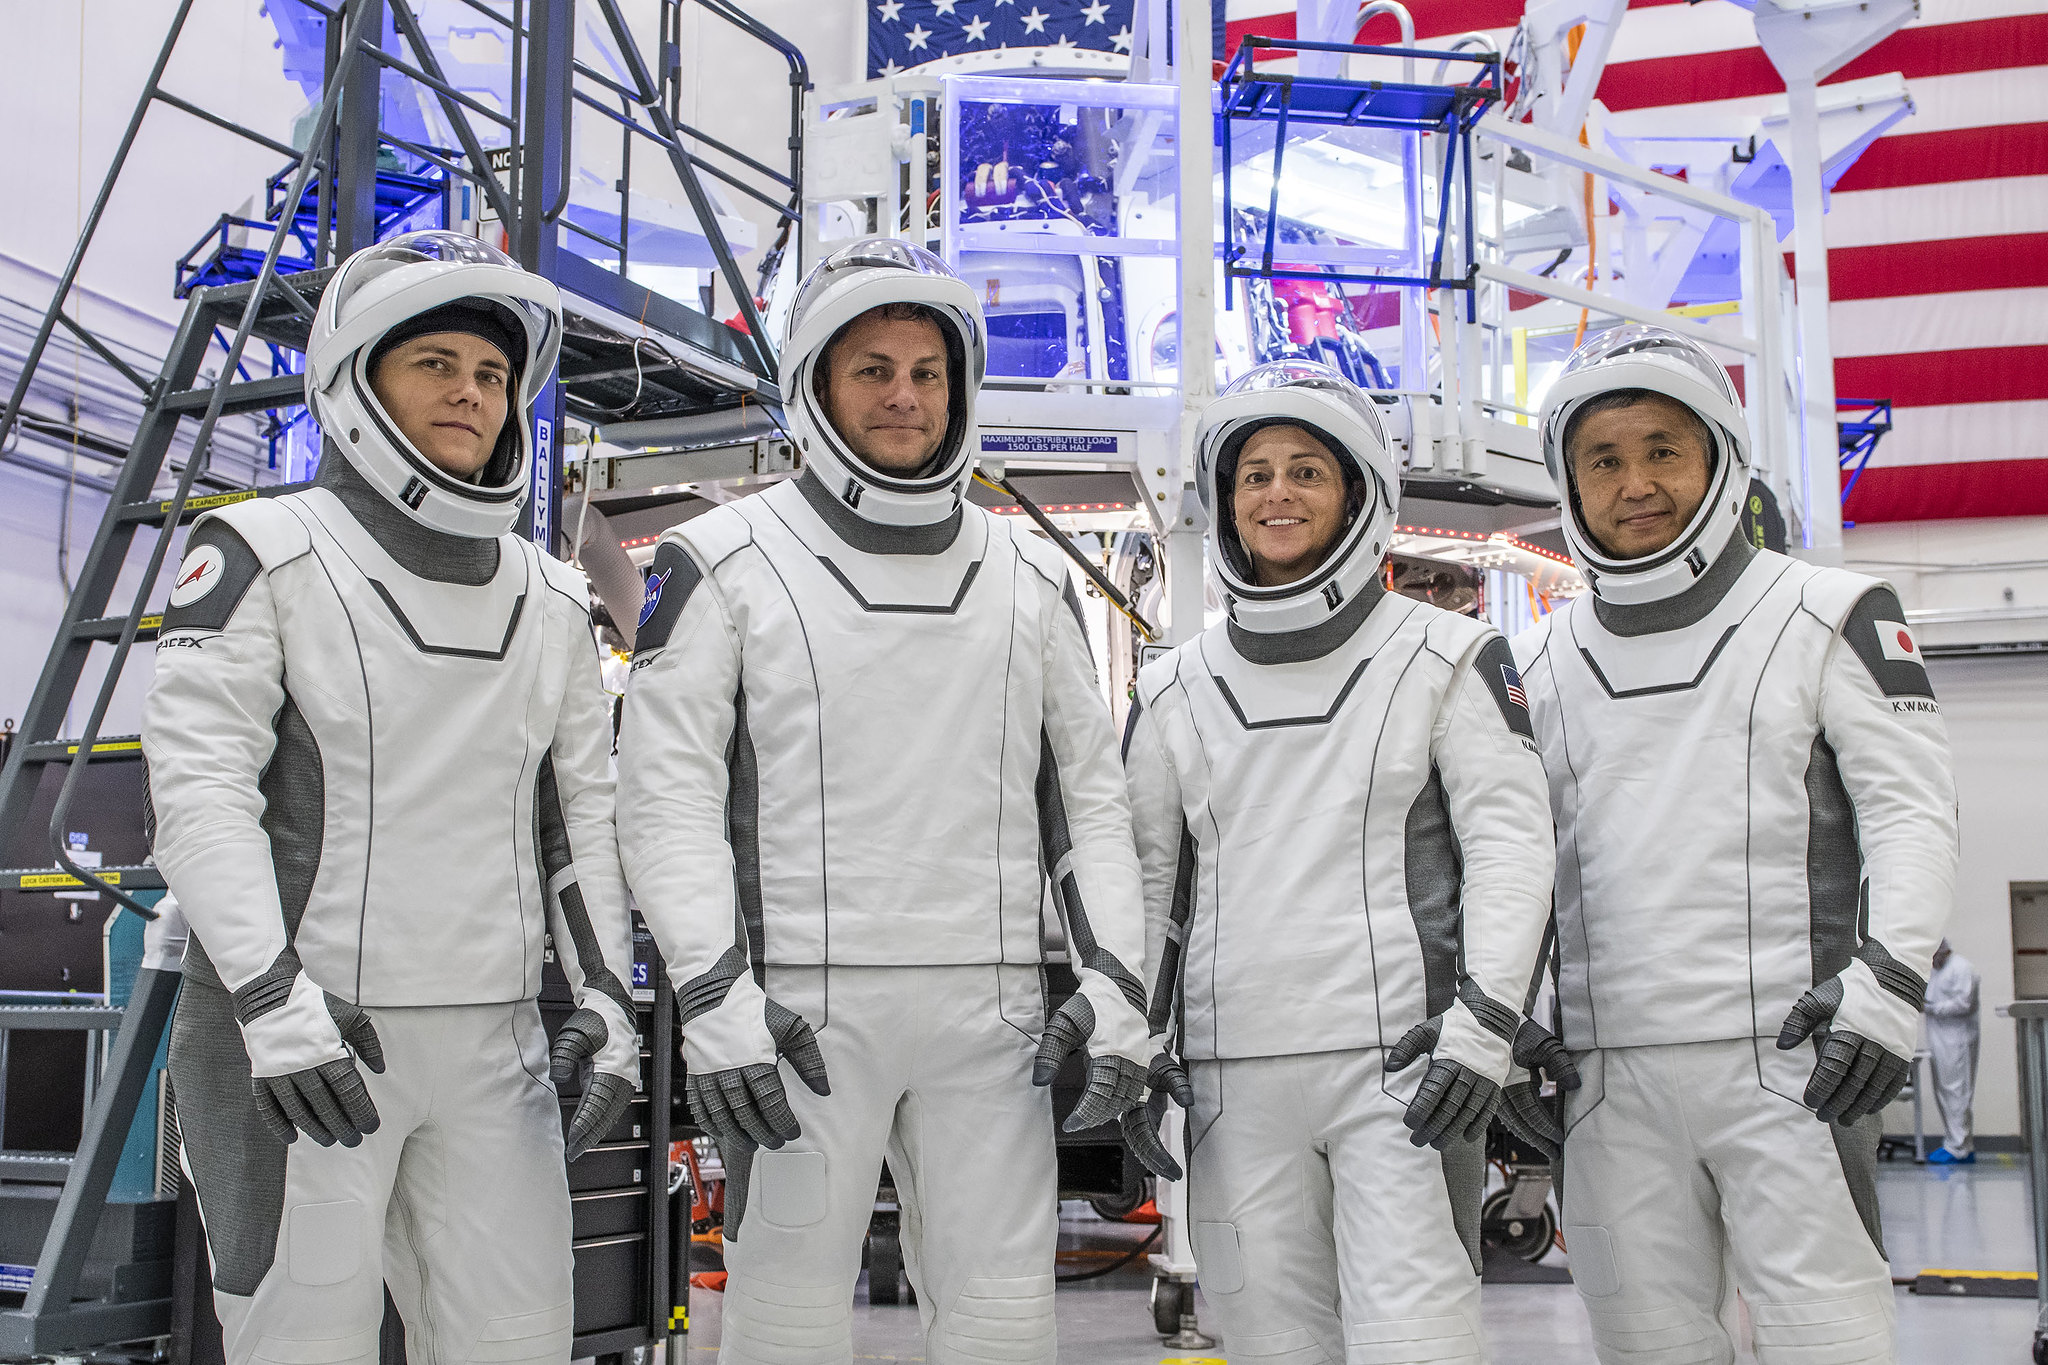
(1170, 1299)
(1529, 1239)
(1116, 1208)
(885, 1273)
(2041, 1350)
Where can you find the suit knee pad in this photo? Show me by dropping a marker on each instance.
(1658, 1336)
(1296, 1346)
(1406, 1341)
(999, 1321)
(357, 1348)
(522, 1337)
(780, 1324)
(1844, 1331)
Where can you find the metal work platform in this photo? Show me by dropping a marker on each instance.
(251, 289)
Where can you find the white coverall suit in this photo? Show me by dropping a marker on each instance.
(1341, 818)
(1350, 832)
(1756, 852)
(1747, 805)
(375, 788)
(1953, 1032)
(831, 772)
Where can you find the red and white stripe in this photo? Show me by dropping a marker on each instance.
(1937, 236)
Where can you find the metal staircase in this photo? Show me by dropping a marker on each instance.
(629, 353)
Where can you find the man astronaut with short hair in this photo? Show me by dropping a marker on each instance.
(379, 768)
(863, 729)
(1756, 850)
(1341, 820)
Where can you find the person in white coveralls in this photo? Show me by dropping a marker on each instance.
(379, 768)
(1953, 1033)
(862, 732)
(1347, 852)
(1756, 851)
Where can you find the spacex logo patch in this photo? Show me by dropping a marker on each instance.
(655, 583)
(1895, 638)
(199, 575)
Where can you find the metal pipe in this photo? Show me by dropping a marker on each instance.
(92, 221)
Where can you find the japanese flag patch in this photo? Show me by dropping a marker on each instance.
(1895, 639)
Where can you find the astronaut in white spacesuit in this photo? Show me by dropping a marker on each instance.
(1954, 1031)
(1756, 853)
(862, 731)
(379, 771)
(1347, 857)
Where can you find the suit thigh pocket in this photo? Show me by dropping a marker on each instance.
(790, 1189)
(1218, 1254)
(324, 1242)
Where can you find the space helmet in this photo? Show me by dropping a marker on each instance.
(1636, 356)
(846, 284)
(381, 291)
(1337, 412)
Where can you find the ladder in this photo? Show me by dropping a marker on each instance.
(628, 351)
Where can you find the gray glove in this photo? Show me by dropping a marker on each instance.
(605, 1096)
(746, 1104)
(1140, 1123)
(1527, 1113)
(1115, 1088)
(744, 1108)
(328, 1103)
(1854, 1077)
(1455, 1102)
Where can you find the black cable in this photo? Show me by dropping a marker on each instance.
(1114, 1266)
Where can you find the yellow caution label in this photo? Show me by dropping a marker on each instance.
(216, 500)
(1981, 1274)
(679, 1320)
(58, 881)
(111, 746)
(150, 623)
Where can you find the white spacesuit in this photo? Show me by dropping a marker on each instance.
(379, 770)
(1954, 1031)
(1756, 840)
(1347, 861)
(863, 728)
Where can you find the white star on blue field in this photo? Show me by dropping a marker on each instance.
(904, 33)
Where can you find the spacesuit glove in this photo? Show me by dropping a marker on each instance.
(1115, 1086)
(301, 1071)
(605, 1094)
(746, 1104)
(1470, 1051)
(1528, 1113)
(1862, 1065)
(1166, 1078)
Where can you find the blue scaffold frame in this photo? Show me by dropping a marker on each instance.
(1330, 101)
(1859, 435)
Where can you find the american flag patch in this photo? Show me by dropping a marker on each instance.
(1514, 682)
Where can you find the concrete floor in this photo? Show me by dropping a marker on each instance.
(1972, 1218)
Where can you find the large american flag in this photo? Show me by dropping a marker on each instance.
(906, 33)
(1937, 236)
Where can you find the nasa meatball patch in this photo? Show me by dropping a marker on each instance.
(1877, 631)
(670, 581)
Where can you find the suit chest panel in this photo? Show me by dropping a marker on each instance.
(432, 671)
(1265, 748)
